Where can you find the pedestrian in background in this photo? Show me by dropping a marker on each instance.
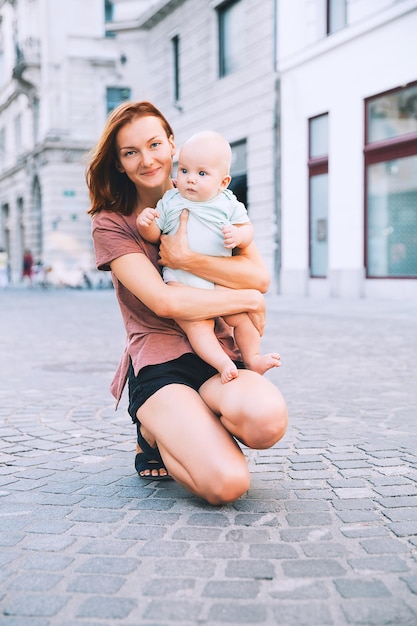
(187, 420)
(27, 273)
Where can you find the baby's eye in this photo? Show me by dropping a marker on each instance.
(202, 173)
(183, 170)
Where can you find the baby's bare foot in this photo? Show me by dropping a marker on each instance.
(261, 363)
(228, 373)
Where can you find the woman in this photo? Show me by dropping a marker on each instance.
(187, 420)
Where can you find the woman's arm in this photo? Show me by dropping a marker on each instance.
(137, 274)
(245, 270)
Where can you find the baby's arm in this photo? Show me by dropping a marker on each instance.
(147, 226)
(237, 236)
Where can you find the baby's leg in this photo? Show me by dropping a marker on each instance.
(204, 342)
(249, 343)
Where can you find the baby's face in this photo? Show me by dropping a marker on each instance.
(200, 176)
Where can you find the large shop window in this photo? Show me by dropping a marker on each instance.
(318, 167)
(391, 184)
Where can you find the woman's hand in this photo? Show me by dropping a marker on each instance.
(245, 270)
(174, 251)
(258, 318)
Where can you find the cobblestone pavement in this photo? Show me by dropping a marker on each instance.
(326, 535)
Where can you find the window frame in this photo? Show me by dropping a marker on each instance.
(381, 151)
(317, 165)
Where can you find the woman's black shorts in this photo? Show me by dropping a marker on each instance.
(188, 370)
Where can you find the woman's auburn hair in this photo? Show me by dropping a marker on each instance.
(109, 189)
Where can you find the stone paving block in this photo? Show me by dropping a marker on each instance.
(346, 504)
(197, 534)
(23, 621)
(217, 550)
(107, 608)
(137, 532)
(108, 565)
(256, 569)
(313, 568)
(324, 549)
(30, 605)
(40, 582)
(106, 546)
(248, 535)
(96, 584)
(309, 519)
(8, 539)
(379, 563)
(364, 530)
(162, 587)
(237, 613)
(298, 589)
(164, 548)
(358, 515)
(402, 514)
(231, 589)
(272, 551)
(398, 502)
(360, 588)
(411, 582)
(307, 505)
(180, 611)
(311, 613)
(381, 612)
(185, 567)
(306, 534)
(48, 543)
(404, 529)
(384, 545)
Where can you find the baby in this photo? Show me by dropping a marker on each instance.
(217, 223)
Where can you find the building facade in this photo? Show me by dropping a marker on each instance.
(317, 98)
(349, 147)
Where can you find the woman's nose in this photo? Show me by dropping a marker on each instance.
(147, 157)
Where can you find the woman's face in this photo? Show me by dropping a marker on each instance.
(145, 152)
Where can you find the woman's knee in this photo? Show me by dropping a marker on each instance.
(227, 486)
(268, 428)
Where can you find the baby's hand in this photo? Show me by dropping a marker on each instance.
(146, 217)
(231, 236)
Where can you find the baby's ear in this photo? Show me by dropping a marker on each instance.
(225, 182)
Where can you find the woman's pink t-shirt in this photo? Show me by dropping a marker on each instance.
(150, 339)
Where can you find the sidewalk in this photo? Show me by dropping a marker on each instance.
(327, 534)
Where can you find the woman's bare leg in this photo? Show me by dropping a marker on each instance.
(252, 409)
(197, 450)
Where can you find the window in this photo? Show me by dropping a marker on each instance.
(336, 15)
(391, 184)
(231, 41)
(176, 67)
(109, 16)
(238, 172)
(318, 167)
(18, 133)
(115, 96)
(2, 147)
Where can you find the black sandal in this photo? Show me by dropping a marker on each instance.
(149, 459)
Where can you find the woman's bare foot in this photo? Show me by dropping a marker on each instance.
(261, 363)
(147, 466)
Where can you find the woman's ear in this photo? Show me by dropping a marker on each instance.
(119, 168)
(172, 144)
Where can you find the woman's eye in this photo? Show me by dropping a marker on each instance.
(155, 144)
(129, 153)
